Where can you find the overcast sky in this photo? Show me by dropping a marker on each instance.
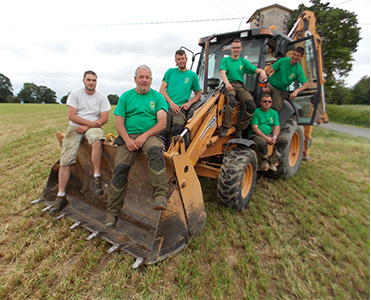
(52, 43)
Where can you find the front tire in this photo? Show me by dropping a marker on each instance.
(237, 177)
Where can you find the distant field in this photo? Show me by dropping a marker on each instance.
(307, 237)
(358, 115)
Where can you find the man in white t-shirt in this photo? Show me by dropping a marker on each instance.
(87, 111)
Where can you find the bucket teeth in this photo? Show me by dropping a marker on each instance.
(137, 263)
(62, 215)
(75, 225)
(113, 248)
(93, 235)
(36, 201)
(47, 208)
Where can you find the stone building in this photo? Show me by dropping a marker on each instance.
(273, 15)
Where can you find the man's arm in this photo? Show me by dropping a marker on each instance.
(174, 107)
(86, 124)
(276, 132)
(197, 97)
(223, 76)
(295, 93)
(160, 126)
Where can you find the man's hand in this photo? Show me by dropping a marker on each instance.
(270, 140)
(82, 129)
(131, 145)
(175, 108)
(186, 106)
(228, 86)
(263, 76)
(293, 95)
(140, 140)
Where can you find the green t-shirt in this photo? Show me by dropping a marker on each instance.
(285, 73)
(140, 110)
(236, 68)
(265, 120)
(181, 84)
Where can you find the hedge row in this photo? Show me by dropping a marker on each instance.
(358, 115)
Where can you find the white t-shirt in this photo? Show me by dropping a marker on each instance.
(88, 107)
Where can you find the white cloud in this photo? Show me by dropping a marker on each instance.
(53, 43)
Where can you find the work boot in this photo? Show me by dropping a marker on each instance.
(111, 221)
(272, 167)
(275, 157)
(265, 164)
(96, 186)
(160, 203)
(60, 203)
(223, 131)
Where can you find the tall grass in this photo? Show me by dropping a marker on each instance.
(302, 238)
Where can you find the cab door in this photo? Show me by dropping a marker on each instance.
(306, 103)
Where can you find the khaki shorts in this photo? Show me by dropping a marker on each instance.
(72, 140)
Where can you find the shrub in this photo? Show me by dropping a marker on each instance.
(358, 115)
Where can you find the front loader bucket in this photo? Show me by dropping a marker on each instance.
(146, 234)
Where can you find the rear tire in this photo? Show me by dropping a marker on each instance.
(293, 153)
(237, 177)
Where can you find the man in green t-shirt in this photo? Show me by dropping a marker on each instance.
(140, 115)
(177, 86)
(264, 130)
(232, 70)
(286, 70)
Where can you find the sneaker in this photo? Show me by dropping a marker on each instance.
(265, 165)
(60, 203)
(223, 131)
(96, 186)
(111, 221)
(160, 204)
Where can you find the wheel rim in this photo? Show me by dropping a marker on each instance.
(294, 149)
(247, 180)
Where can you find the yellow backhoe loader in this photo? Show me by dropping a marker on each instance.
(150, 235)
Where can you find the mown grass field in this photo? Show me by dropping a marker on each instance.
(306, 237)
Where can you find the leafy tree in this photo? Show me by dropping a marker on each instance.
(6, 89)
(64, 98)
(113, 99)
(361, 91)
(28, 94)
(31, 93)
(338, 94)
(46, 95)
(340, 34)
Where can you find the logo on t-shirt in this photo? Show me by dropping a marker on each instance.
(292, 75)
(241, 67)
(186, 80)
(152, 105)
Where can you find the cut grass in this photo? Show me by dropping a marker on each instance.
(302, 238)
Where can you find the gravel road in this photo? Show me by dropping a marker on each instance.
(354, 131)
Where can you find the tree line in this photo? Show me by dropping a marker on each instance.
(32, 93)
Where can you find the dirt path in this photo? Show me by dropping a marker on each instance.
(347, 129)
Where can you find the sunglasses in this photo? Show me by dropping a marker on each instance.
(266, 101)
